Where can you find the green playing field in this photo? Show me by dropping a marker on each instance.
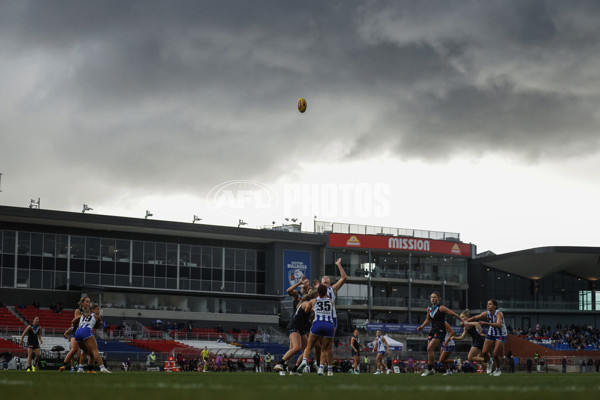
(47, 385)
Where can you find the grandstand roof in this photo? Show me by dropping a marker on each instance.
(98, 222)
(539, 262)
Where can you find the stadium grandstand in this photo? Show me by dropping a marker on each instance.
(172, 289)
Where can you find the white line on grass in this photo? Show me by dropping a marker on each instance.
(15, 383)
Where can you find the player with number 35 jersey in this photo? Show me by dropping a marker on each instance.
(322, 327)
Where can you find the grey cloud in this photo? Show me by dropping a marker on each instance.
(493, 118)
(140, 92)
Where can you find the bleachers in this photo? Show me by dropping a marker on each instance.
(7, 345)
(48, 319)
(587, 343)
(12, 347)
(8, 319)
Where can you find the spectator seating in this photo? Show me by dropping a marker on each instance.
(10, 346)
(574, 338)
(48, 319)
(8, 319)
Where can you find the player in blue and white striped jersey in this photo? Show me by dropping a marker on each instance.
(322, 328)
(332, 293)
(496, 333)
(380, 345)
(84, 335)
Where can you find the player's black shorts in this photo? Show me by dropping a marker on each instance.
(34, 346)
(478, 343)
(437, 334)
(292, 330)
(355, 353)
(296, 327)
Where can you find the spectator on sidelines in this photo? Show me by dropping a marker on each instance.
(256, 362)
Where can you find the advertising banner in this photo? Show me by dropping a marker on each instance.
(404, 328)
(399, 243)
(296, 264)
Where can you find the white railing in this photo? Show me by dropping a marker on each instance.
(338, 227)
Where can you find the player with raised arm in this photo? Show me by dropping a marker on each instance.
(298, 290)
(496, 334)
(297, 329)
(322, 327)
(34, 339)
(332, 291)
(85, 337)
(381, 346)
(436, 315)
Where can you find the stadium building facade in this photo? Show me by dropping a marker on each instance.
(391, 272)
(543, 286)
(236, 277)
(147, 269)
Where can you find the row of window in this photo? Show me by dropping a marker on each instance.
(48, 261)
(559, 290)
(49, 245)
(396, 266)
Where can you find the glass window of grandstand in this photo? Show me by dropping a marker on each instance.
(201, 268)
(356, 264)
(389, 295)
(353, 294)
(560, 291)
(587, 302)
(154, 265)
(510, 290)
(35, 263)
(240, 271)
(7, 258)
(389, 265)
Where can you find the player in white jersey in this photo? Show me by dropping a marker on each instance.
(323, 328)
(332, 294)
(70, 336)
(447, 349)
(85, 337)
(381, 346)
(496, 334)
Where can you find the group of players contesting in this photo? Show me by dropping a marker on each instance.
(316, 303)
(313, 326)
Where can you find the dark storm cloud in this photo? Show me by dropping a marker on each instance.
(184, 95)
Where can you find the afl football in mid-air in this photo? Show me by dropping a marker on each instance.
(301, 104)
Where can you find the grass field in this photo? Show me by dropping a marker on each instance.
(48, 385)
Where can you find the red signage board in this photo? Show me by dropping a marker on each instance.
(399, 243)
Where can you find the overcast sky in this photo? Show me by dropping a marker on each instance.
(477, 117)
